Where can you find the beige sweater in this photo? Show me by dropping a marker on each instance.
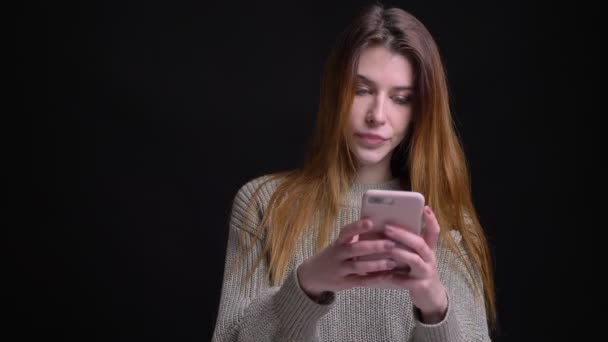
(255, 311)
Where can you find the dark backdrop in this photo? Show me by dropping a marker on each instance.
(148, 116)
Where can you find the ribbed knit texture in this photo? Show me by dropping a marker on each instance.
(255, 311)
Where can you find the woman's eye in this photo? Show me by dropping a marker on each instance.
(403, 100)
(361, 91)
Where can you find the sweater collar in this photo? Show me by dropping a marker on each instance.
(356, 191)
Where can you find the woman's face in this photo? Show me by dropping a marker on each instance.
(382, 108)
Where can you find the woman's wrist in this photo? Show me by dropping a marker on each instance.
(314, 294)
(436, 313)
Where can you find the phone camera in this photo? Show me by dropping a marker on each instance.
(380, 200)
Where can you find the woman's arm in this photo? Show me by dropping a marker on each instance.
(253, 310)
(465, 319)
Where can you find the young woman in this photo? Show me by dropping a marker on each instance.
(292, 272)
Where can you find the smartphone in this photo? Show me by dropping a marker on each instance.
(393, 207)
(400, 208)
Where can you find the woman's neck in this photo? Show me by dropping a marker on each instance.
(373, 174)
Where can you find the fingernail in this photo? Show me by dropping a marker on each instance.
(428, 210)
(367, 224)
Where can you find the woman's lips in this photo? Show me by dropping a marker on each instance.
(371, 140)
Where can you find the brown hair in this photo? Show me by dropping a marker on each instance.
(430, 158)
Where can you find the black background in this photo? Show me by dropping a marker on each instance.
(148, 116)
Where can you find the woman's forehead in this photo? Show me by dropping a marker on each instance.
(382, 67)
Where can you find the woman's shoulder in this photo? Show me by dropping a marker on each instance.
(265, 184)
(251, 200)
(259, 189)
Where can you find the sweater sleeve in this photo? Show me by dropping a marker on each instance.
(465, 319)
(252, 310)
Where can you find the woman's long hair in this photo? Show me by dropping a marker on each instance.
(430, 158)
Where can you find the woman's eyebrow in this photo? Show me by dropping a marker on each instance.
(372, 83)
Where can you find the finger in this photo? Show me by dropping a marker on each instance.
(417, 267)
(374, 279)
(362, 267)
(410, 241)
(432, 228)
(366, 247)
(349, 232)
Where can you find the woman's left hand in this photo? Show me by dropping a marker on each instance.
(421, 277)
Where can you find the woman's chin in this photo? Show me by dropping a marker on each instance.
(370, 158)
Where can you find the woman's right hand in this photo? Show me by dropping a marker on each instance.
(336, 267)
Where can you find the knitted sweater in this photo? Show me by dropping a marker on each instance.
(256, 311)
